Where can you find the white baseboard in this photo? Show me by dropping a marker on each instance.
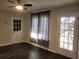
(42, 47)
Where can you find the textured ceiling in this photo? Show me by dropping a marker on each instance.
(37, 4)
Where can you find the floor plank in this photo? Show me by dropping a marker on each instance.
(27, 51)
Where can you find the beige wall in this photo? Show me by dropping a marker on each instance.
(55, 13)
(27, 27)
(7, 36)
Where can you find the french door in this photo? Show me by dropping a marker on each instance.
(69, 35)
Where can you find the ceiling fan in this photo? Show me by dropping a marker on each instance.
(18, 5)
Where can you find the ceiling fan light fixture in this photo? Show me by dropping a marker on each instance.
(19, 7)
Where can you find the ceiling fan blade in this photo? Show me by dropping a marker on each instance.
(25, 8)
(10, 6)
(28, 5)
(18, 1)
(11, 1)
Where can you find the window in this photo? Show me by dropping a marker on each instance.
(67, 32)
(16, 25)
(39, 33)
(34, 32)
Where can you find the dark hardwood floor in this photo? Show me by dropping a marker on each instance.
(27, 51)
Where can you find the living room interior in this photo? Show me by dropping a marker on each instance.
(39, 29)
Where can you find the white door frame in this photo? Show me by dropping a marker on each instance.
(16, 35)
(77, 38)
(75, 42)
